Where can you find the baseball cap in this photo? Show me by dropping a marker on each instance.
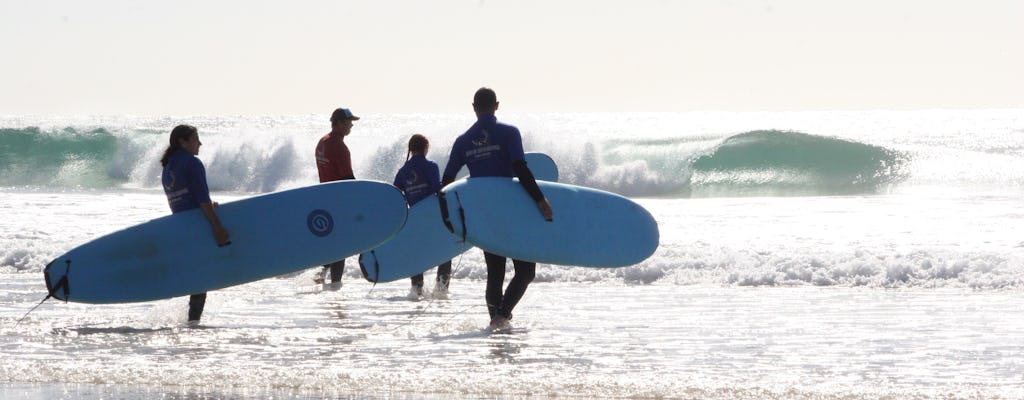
(342, 114)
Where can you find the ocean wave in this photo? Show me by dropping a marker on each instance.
(259, 159)
(98, 158)
(780, 162)
(761, 163)
(67, 158)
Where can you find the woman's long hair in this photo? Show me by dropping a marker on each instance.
(417, 145)
(179, 133)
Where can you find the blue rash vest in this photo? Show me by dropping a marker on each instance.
(418, 179)
(488, 148)
(184, 180)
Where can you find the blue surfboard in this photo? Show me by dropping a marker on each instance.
(591, 228)
(542, 167)
(424, 242)
(271, 234)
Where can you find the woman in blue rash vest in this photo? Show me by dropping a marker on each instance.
(184, 181)
(492, 148)
(418, 179)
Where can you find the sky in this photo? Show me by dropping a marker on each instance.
(240, 57)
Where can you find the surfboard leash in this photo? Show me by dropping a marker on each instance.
(462, 216)
(443, 202)
(61, 284)
(430, 303)
(376, 268)
(30, 311)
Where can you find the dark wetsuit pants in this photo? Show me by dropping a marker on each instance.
(337, 269)
(444, 273)
(196, 303)
(498, 304)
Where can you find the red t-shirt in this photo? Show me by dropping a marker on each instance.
(333, 161)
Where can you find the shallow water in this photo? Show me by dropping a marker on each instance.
(282, 338)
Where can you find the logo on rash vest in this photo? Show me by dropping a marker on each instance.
(320, 222)
(483, 140)
(413, 178)
(483, 149)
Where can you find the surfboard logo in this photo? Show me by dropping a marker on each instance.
(320, 222)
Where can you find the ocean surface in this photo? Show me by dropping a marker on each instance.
(803, 255)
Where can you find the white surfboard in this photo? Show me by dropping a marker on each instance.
(591, 228)
(271, 234)
(424, 242)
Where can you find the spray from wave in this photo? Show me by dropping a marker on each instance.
(766, 162)
(98, 158)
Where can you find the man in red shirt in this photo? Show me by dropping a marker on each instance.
(334, 163)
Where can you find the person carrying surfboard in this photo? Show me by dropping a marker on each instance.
(492, 148)
(334, 163)
(418, 179)
(184, 181)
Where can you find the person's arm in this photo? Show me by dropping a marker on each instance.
(343, 162)
(200, 189)
(530, 184)
(455, 163)
(220, 235)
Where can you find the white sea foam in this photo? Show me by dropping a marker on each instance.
(279, 338)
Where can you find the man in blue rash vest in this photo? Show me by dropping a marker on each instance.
(184, 181)
(491, 148)
(418, 179)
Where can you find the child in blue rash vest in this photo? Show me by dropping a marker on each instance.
(184, 181)
(418, 179)
(491, 148)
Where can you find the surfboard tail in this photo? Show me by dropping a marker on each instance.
(58, 289)
(375, 276)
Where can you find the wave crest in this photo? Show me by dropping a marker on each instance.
(260, 160)
(780, 162)
(67, 157)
